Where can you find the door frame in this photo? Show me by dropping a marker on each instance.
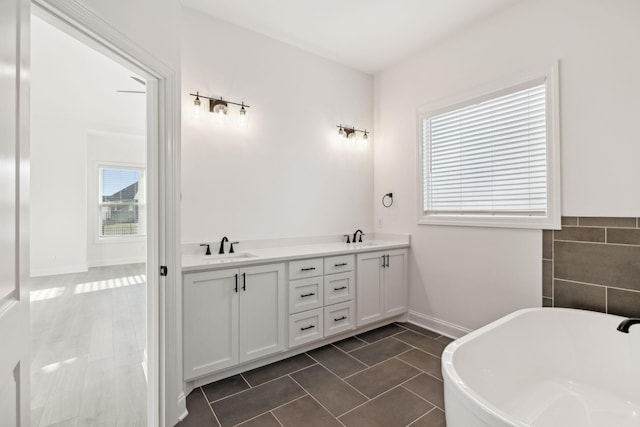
(165, 398)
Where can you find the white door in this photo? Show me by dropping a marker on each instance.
(210, 321)
(369, 287)
(395, 283)
(14, 295)
(262, 311)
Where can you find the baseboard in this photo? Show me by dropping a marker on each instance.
(120, 261)
(182, 404)
(54, 271)
(440, 326)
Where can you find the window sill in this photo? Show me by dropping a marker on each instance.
(537, 223)
(116, 239)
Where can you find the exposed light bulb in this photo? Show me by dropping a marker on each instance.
(242, 119)
(341, 133)
(196, 106)
(352, 135)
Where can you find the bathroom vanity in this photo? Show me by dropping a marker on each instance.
(260, 305)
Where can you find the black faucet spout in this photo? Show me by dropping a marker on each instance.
(221, 251)
(627, 323)
(356, 234)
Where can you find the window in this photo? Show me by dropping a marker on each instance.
(491, 159)
(122, 202)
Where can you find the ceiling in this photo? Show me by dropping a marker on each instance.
(368, 35)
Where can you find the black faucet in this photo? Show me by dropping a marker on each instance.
(208, 248)
(627, 323)
(224, 239)
(356, 234)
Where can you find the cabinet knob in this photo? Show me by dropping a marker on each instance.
(304, 328)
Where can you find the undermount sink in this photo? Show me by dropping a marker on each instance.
(226, 257)
(362, 245)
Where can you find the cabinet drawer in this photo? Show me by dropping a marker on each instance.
(305, 294)
(339, 288)
(305, 327)
(338, 264)
(339, 318)
(305, 268)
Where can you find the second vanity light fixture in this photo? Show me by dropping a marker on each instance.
(351, 133)
(218, 106)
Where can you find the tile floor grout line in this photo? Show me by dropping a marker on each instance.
(276, 418)
(371, 400)
(340, 379)
(369, 367)
(422, 416)
(318, 402)
(417, 395)
(210, 407)
(424, 351)
(271, 410)
(420, 369)
(232, 394)
(351, 356)
(283, 375)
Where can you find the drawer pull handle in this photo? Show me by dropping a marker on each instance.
(308, 269)
(340, 288)
(304, 328)
(310, 294)
(339, 318)
(342, 264)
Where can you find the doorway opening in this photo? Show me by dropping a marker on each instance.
(94, 233)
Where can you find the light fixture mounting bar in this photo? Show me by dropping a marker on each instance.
(350, 129)
(241, 104)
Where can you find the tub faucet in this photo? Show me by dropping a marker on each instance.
(356, 234)
(221, 251)
(627, 323)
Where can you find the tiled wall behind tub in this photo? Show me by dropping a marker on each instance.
(593, 263)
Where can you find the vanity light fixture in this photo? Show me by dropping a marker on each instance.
(218, 106)
(350, 133)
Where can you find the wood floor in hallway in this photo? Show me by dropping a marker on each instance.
(88, 344)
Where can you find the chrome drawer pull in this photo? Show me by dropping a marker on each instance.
(340, 265)
(340, 318)
(304, 328)
(340, 288)
(308, 269)
(310, 294)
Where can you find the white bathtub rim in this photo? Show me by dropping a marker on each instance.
(466, 395)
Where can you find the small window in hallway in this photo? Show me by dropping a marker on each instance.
(122, 202)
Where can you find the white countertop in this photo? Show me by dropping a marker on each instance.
(197, 262)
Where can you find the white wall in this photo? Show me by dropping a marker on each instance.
(73, 92)
(285, 175)
(470, 276)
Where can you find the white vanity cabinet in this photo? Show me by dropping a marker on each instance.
(232, 316)
(321, 298)
(381, 285)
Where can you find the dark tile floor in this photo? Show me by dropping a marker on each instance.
(386, 377)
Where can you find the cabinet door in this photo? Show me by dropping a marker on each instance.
(262, 311)
(210, 314)
(369, 290)
(395, 283)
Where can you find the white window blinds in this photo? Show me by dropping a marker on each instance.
(488, 157)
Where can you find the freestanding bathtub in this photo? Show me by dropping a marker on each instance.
(544, 367)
